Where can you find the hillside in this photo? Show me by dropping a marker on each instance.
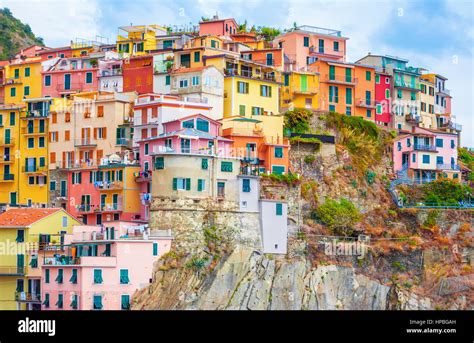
(14, 35)
(414, 259)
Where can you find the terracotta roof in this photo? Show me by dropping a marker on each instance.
(22, 217)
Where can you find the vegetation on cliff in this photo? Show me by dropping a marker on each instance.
(14, 35)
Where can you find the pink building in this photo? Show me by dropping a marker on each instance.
(195, 134)
(101, 267)
(424, 155)
(382, 98)
(69, 75)
(305, 44)
(218, 27)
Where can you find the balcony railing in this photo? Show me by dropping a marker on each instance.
(424, 147)
(73, 87)
(445, 166)
(99, 208)
(104, 185)
(85, 142)
(7, 159)
(250, 74)
(444, 91)
(36, 114)
(127, 142)
(308, 91)
(7, 177)
(12, 270)
(342, 79)
(407, 85)
(451, 125)
(413, 118)
(7, 141)
(34, 169)
(111, 72)
(362, 102)
(27, 297)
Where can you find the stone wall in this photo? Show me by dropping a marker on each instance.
(55, 199)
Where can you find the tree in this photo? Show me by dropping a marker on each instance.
(339, 216)
(297, 120)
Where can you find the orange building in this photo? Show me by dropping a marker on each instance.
(346, 88)
(253, 142)
(271, 57)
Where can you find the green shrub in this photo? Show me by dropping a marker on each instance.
(340, 216)
(297, 120)
(370, 176)
(290, 178)
(309, 159)
(431, 218)
(445, 192)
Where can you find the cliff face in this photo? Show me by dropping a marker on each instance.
(248, 280)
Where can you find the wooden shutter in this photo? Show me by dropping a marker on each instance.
(104, 132)
(95, 133)
(52, 157)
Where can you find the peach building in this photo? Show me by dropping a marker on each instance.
(101, 266)
(305, 44)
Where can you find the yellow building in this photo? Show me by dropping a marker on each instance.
(427, 104)
(24, 164)
(250, 88)
(25, 234)
(139, 40)
(22, 80)
(299, 90)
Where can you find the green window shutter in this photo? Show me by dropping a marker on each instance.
(242, 110)
(59, 303)
(306, 41)
(124, 277)
(73, 278)
(204, 163)
(167, 80)
(34, 262)
(348, 75)
(202, 125)
(98, 276)
(226, 166)
(278, 152)
(160, 163)
(59, 278)
(74, 302)
(332, 72)
(245, 185)
(175, 184)
(155, 249)
(188, 184)
(197, 56)
(46, 276)
(368, 75)
(348, 96)
(46, 300)
(125, 302)
(97, 302)
(278, 170)
(377, 78)
(279, 209)
(200, 185)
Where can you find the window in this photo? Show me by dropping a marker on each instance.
(98, 276)
(20, 236)
(279, 152)
(221, 189)
(64, 221)
(202, 125)
(195, 80)
(368, 75)
(204, 163)
(59, 278)
(349, 96)
(26, 90)
(201, 185)
(333, 94)
(124, 280)
(155, 249)
(242, 110)
(377, 78)
(46, 276)
(242, 87)
(31, 143)
(76, 178)
(306, 41)
(197, 56)
(266, 91)
(74, 302)
(12, 118)
(27, 71)
(246, 185)
(125, 302)
(257, 111)
(426, 159)
(286, 80)
(167, 80)
(279, 209)
(188, 124)
(226, 166)
(399, 146)
(46, 300)
(278, 170)
(146, 148)
(73, 278)
(12, 91)
(59, 303)
(183, 83)
(399, 93)
(379, 109)
(332, 108)
(412, 95)
(413, 158)
(332, 72)
(17, 73)
(181, 184)
(368, 113)
(41, 142)
(321, 46)
(52, 185)
(336, 46)
(159, 163)
(439, 142)
(408, 142)
(89, 77)
(348, 110)
(97, 302)
(453, 144)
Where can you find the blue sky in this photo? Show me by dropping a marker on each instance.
(434, 34)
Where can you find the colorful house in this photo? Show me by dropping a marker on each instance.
(218, 27)
(427, 104)
(138, 40)
(138, 74)
(299, 90)
(259, 142)
(22, 80)
(383, 98)
(423, 155)
(65, 76)
(101, 267)
(305, 44)
(29, 231)
(103, 193)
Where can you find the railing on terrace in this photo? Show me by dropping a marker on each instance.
(413, 118)
(320, 30)
(452, 125)
(111, 72)
(446, 166)
(27, 297)
(36, 114)
(103, 185)
(249, 74)
(444, 91)
(409, 85)
(7, 141)
(7, 177)
(308, 90)
(73, 87)
(344, 79)
(32, 130)
(99, 208)
(12, 270)
(77, 164)
(34, 169)
(424, 147)
(7, 159)
(124, 142)
(85, 142)
(362, 102)
(13, 80)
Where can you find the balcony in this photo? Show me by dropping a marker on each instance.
(34, 170)
(444, 91)
(305, 91)
(77, 164)
(7, 177)
(28, 297)
(424, 147)
(145, 198)
(85, 142)
(6, 159)
(451, 125)
(414, 119)
(69, 88)
(88, 261)
(36, 114)
(367, 103)
(4, 141)
(143, 176)
(111, 72)
(84, 208)
(12, 271)
(106, 185)
(124, 142)
(13, 81)
(412, 86)
(340, 79)
(231, 72)
(444, 166)
(33, 131)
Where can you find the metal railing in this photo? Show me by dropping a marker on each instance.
(344, 79)
(34, 169)
(362, 102)
(85, 142)
(7, 141)
(99, 208)
(12, 270)
(446, 166)
(409, 85)
(104, 185)
(7, 177)
(424, 147)
(27, 297)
